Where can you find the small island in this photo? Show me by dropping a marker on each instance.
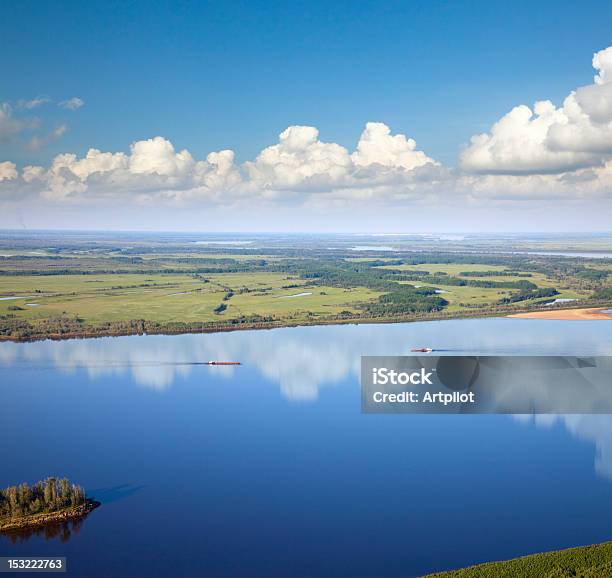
(49, 501)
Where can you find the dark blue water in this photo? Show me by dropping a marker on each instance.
(270, 469)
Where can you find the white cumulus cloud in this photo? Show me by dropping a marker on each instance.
(218, 172)
(548, 139)
(378, 146)
(299, 160)
(157, 156)
(8, 171)
(32, 173)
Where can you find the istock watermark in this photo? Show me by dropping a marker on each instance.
(486, 384)
(383, 376)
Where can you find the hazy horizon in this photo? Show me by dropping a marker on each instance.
(448, 235)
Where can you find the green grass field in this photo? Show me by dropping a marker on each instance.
(586, 562)
(462, 297)
(166, 298)
(321, 301)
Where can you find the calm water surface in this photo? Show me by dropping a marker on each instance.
(586, 254)
(270, 469)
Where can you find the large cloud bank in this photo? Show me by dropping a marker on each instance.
(543, 152)
(299, 163)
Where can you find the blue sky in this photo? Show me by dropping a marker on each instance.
(232, 75)
(214, 75)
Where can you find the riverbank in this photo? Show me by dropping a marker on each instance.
(71, 330)
(583, 314)
(37, 520)
(587, 561)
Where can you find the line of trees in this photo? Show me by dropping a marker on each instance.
(46, 496)
(406, 300)
(532, 294)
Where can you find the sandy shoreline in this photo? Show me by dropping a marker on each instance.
(567, 314)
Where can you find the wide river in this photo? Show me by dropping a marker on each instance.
(270, 469)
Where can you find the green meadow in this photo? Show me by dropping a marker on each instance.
(164, 298)
(122, 287)
(460, 297)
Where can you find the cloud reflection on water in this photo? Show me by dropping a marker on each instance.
(596, 429)
(301, 361)
(304, 359)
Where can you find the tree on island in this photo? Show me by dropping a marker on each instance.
(50, 495)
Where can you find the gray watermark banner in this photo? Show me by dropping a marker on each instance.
(486, 384)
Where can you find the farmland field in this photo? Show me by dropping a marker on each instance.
(63, 284)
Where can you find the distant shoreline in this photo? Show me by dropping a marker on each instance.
(37, 520)
(583, 314)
